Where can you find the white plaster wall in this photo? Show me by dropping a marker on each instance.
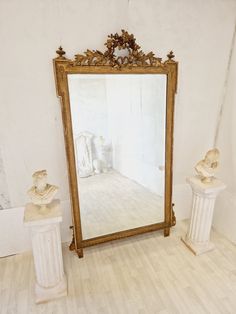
(200, 33)
(4, 195)
(15, 236)
(225, 211)
(31, 135)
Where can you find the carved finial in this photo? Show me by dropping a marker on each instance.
(170, 55)
(60, 52)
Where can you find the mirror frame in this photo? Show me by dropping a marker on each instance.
(96, 62)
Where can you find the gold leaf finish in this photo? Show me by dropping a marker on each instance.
(132, 61)
(135, 56)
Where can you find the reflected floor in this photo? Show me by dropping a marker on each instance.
(110, 202)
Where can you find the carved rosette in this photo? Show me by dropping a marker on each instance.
(134, 56)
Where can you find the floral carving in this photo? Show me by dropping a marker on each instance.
(134, 55)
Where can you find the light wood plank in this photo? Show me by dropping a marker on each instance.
(145, 274)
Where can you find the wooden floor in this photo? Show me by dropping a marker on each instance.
(145, 274)
(110, 202)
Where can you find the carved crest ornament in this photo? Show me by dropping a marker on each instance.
(135, 56)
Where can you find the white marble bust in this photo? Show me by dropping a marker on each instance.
(207, 167)
(42, 193)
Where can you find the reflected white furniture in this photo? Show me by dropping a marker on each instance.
(83, 145)
(203, 202)
(46, 244)
(101, 162)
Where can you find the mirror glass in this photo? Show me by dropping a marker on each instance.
(118, 124)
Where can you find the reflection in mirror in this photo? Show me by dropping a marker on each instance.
(118, 126)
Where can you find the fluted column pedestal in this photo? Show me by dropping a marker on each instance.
(47, 252)
(197, 238)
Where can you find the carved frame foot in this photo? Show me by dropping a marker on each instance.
(173, 218)
(166, 232)
(72, 244)
(80, 253)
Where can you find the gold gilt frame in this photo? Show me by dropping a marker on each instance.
(97, 62)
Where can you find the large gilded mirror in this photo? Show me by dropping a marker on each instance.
(117, 111)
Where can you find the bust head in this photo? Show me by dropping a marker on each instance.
(212, 158)
(41, 193)
(40, 180)
(207, 167)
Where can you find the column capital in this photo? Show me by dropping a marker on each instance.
(206, 189)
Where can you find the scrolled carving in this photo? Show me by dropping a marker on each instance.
(173, 218)
(125, 41)
(72, 244)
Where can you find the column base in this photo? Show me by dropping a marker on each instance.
(46, 294)
(198, 248)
